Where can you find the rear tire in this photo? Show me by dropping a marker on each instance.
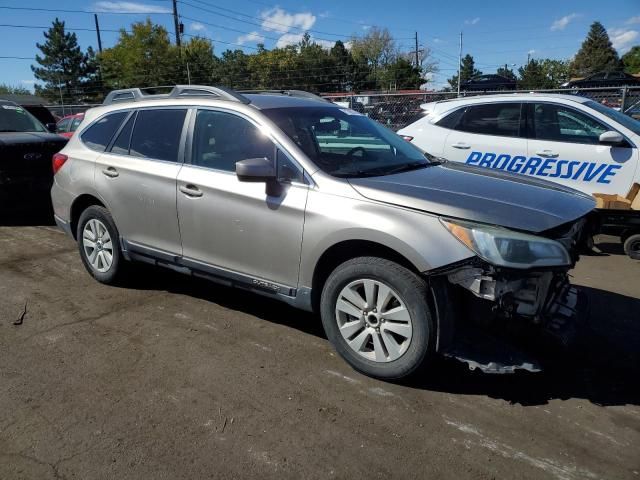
(99, 245)
(632, 246)
(376, 314)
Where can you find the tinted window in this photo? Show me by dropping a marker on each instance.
(121, 145)
(222, 139)
(493, 119)
(557, 123)
(14, 118)
(156, 134)
(451, 120)
(75, 124)
(98, 135)
(287, 169)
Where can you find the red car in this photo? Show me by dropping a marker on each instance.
(69, 124)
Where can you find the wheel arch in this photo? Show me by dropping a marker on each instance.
(342, 251)
(79, 205)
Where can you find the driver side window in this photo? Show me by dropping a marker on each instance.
(221, 139)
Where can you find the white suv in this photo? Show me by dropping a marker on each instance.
(563, 138)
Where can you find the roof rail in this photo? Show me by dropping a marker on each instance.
(289, 93)
(179, 91)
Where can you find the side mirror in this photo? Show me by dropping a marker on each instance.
(52, 127)
(255, 170)
(612, 138)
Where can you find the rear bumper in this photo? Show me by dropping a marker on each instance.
(63, 225)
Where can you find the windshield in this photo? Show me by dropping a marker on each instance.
(623, 119)
(14, 118)
(345, 143)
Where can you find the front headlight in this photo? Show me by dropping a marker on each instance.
(506, 248)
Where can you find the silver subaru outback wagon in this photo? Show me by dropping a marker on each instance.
(284, 194)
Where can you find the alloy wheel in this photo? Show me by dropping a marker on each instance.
(97, 245)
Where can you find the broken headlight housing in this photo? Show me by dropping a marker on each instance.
(507, 248)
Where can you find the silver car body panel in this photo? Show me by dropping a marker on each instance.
(235, 230)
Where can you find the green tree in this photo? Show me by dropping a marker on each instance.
(532, 76)
(556, 72)
(198, 61)
(507, 73)
(373, 52)
(468, 70)
(401, 74)
(596, 53)
(233, 70)
(143, 58)
(8, 89)
(631, 60)
(62, 65)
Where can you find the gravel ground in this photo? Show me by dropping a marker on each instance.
(175, 378)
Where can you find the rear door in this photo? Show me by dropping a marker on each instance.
(137, 178)
(564, 147)
(489, 135)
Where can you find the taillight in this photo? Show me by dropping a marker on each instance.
(407, 137)
(58, 161)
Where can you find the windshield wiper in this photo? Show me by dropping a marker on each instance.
(410, 166)
(12, 131)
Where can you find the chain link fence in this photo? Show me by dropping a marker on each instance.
(397, 110)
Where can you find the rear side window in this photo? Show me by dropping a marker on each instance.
(451, 120)
(63, 125)
(98, 135)
(492, 119)
(121, 145)
(156, 134)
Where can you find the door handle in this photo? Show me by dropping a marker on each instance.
(190, 190)
(110, 172)
(547, 154)
(461, 146)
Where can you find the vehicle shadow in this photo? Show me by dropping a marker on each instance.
(603, 367)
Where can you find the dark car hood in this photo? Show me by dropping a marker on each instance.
(480, 195)
(20, 138)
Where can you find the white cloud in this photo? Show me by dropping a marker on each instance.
(129, 7)
(472, 21)
(197, 27)
(531, 52)
(252, 37)
(633, 20)
(561, 23)
(28, 82)
(622, 38)
(278, 20)
(438, 40)
(295, 38)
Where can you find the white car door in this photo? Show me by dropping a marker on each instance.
(564, 147)
(487, 135)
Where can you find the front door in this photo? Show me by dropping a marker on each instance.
(490, 136)
(236, 226)
(565, 146)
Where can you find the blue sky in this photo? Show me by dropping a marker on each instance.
(494, 32)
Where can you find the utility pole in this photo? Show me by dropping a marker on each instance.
(459, 63)
(417, 53)
(95, 17)
(176, 22)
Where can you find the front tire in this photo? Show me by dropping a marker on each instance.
(99, 245)
(632, 246)
(376, 314)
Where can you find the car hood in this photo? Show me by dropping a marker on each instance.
(480, 195)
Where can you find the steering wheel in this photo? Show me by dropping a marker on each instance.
(352, 152)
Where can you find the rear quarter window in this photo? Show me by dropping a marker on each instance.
(99, 134)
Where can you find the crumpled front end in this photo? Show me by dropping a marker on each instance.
(505, 319)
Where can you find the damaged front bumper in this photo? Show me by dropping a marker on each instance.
(500, 316)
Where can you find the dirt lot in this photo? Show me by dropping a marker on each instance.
(177, 378)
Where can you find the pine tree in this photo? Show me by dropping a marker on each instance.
(467, 72)
(596, 53)
(63, 67)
